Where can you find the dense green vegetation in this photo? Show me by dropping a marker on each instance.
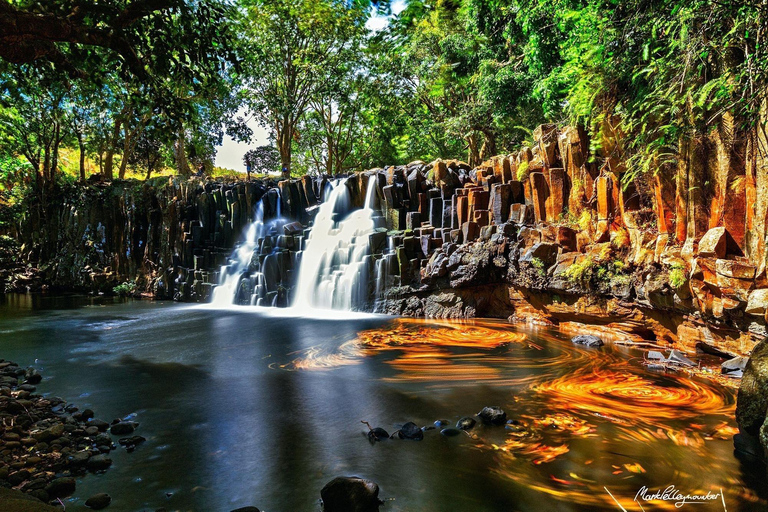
(133, 85)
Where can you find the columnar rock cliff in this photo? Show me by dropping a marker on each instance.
(550, 233)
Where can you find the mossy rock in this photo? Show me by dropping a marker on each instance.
(16, 501)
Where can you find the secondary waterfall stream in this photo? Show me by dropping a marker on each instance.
(335, 265)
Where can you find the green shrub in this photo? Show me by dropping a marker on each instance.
(539, 265)
(579, 272)
(126, 289)
(522, 171)
(677, 277)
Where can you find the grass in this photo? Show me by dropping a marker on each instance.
(522, 171)
(677, 277)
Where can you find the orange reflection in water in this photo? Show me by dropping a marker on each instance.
(579, 408)
(624, 396)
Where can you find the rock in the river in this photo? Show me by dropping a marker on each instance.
(99, 424)
(466, 423)
(752, 401)
(377, 434)
(123, 428)
(493, 415)
(61, 487)
(98, 501)
(32, 376)
(450, 432)
(411, 431)
(587, 340)
(350, 494)
(98, 463)
(246, 509)
(441, 423)
(17, 501)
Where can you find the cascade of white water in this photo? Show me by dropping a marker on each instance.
(240, 260)
(336, 263)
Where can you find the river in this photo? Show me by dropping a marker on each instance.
(260, 406)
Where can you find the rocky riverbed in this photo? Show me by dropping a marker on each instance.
(48, 443)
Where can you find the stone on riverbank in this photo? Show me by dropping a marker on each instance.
(493, 415)
(350, 494)
(411, 431)
(98, 501)
(466, 423)
(752, 400)
(587, 340)
(16, 501)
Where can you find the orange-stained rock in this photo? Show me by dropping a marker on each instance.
(545, 137)
(566, 238)
(439, 170)
(478, 200)
(718, 243)
(605, 205)
(470, 231)
(558, 194)
(539, 194)
(462, 209)
(482, 217)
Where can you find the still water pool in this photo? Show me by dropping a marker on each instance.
(246, 406)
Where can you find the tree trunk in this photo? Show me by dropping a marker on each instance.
(180, 150)
(81, 145)
(473, 155)
(109, 159)
(126, 152)
(489, 146)
(285, 138)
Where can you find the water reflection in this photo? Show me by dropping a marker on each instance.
(244, 408)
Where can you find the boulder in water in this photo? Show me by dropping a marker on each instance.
(350, 494)
(410, 431)
(450, 432)
(587, 340)
(98, 501)
(752, 401)
(61, 487)
(466, 423)
(377, 434)
(493, 415)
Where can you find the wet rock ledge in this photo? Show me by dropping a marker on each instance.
(46, 443)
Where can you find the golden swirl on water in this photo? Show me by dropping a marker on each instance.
(632, 398)
(664, 420)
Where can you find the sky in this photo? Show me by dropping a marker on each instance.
(230, 154)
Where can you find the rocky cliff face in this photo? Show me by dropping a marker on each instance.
(548, 234)
(160, 239)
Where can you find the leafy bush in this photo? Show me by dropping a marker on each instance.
(539, 265)
(522, 171)
(677, 277)
(126, 289)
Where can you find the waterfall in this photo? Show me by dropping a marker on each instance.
(243, 278)
(336, 263)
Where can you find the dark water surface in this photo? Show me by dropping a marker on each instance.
(249, 407)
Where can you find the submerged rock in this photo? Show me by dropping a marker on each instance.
(752, 400)
(350, 494)
(466, 423)
(98, 501)
(61, 487)
(587, 340)
(411, 431)
(377, 434)
(493, 415)
(450, 432)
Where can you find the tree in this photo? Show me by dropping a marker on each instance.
(292, 46)
(265, 159)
